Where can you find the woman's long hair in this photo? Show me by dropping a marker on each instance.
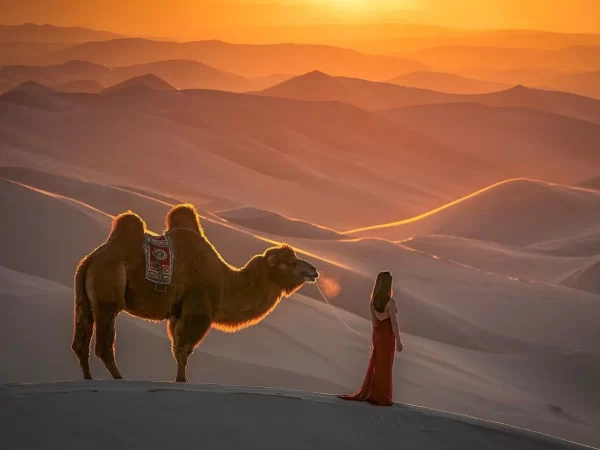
(382, 291)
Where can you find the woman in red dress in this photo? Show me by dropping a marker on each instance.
(377, 386)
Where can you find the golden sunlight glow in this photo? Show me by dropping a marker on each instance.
(347, 3)
(329, 286)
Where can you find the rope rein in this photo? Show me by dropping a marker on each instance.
(337, 315)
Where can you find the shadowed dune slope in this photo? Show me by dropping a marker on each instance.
(586, 279)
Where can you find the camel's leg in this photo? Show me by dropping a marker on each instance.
(105, 338)
(186, 333)
(82, 336)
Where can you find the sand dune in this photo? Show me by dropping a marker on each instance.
(558, 148)
(242, 59)
(282, 410)
(216, 135)
(487, 300)
(447, 82)
(585, 243)
(515, 212)
(516, 262)
(318, 86)
(434, 294)
(273, 223)
(235, 244)
(327, 359)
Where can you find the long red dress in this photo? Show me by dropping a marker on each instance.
(377, 386)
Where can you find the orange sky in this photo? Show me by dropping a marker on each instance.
(199, 19)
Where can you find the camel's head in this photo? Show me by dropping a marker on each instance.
(287, 270)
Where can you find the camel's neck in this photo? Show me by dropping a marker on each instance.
(247, 296)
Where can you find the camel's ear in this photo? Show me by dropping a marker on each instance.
(272, 260)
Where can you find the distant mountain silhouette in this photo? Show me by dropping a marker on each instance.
(447, 82)
(30, 32)
(241, 59)
(148, 81)
(184, 74)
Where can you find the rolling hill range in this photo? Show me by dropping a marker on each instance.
(242, 59)
(318, 86)
(291, 146)
(558, 148)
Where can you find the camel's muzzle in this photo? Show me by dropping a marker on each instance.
(310, 274)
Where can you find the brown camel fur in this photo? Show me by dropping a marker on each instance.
(205, 291)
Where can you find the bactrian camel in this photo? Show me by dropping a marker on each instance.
(205, 291)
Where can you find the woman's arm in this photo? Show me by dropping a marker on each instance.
(392, 312)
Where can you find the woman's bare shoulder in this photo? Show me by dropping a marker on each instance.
(391, 303)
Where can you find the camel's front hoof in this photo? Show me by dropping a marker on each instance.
(181, 380)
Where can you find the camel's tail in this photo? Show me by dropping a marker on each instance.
(83, 326)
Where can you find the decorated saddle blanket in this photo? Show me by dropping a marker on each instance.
(159, 254)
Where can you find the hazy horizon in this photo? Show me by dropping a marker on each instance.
(191, 20)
